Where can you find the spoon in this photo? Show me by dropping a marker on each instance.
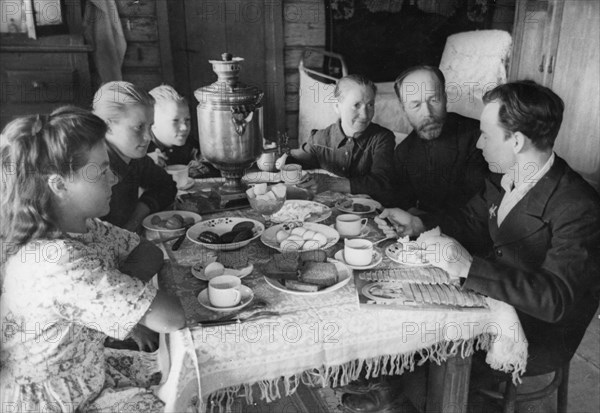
(381, 240)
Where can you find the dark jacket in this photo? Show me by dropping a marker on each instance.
(159, 187)
(366, 161)
(544, 259)
(441, 173)
(177, 155)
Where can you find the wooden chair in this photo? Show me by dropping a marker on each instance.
(510, 397)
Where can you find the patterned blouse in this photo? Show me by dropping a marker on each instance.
(60, 299)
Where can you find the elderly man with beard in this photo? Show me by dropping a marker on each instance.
(437, 166)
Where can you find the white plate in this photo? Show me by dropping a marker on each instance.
(270, 240)
(241, 273)
(247, 296)
(190, 183)
(363, 233)
(377, 258)
(344, 275)
(257, 177)
(220, 226)
(164, 215)
(395, 253)
(280, 218)
(261, 176)
(372, 204)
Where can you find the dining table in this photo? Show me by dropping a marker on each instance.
(319, 339)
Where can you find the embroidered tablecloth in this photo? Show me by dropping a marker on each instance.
(320, 340)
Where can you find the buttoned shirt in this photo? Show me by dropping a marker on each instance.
(366, 160)
(159, 187)
(513, 194)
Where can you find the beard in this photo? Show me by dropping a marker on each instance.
(431, 128)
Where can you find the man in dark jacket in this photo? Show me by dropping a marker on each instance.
(534, 231)
(437, 166)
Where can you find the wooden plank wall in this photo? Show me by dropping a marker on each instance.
(148, 61)
(304, 24)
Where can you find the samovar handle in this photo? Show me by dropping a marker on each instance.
(242, 115)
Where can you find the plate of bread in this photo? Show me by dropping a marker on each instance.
(306, 273)
(299, 236)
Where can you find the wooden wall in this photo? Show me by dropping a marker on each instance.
(148, 61)
(304, 24)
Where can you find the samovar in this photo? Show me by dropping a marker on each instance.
(230, 125)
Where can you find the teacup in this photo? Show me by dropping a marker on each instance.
(291, 174)
(224, 291)
(358, 252)
(179, 173)
(350, 225)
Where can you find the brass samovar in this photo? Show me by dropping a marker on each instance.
(230, 125)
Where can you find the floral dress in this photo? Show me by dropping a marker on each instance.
(60, 299)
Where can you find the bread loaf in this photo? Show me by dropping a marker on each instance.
(300, 286)
(320, 273)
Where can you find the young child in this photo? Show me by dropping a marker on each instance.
(129, 114)
(172, 125)
(64, 277)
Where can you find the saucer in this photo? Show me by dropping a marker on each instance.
(363, 233)
(190, 183)
(247, 296)
(377, 258)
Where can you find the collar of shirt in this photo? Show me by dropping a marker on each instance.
(339, 138)
(117, 164)
(508, 180)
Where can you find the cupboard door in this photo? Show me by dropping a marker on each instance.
(576, 81)
(535, 39)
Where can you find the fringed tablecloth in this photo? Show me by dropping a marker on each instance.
(324, 339)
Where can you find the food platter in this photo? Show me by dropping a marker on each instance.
(164, 216)
(269, 237)
(407, 255)
(300, 210)
(344, 276)
(357, 205)
(220, 226)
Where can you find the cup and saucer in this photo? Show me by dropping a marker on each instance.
(351, 226)
(186, 185)
(363, 233)
(225, 293)
(376, 259)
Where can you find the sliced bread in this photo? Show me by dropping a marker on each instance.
(320, 273)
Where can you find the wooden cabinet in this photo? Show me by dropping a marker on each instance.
(38, 75)
(557, 43)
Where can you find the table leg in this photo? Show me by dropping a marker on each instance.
(448, 385)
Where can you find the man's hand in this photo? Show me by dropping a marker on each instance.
(403, 223)
(447, 253)
(319, 182)
(159, 157)
(146, 339)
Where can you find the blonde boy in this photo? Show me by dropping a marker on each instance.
(172, 125)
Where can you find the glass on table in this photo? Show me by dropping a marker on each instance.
(267, 200)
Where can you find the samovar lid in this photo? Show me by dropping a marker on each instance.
(228, 91)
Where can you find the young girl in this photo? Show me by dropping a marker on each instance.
(129, 114)
(64, 287)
